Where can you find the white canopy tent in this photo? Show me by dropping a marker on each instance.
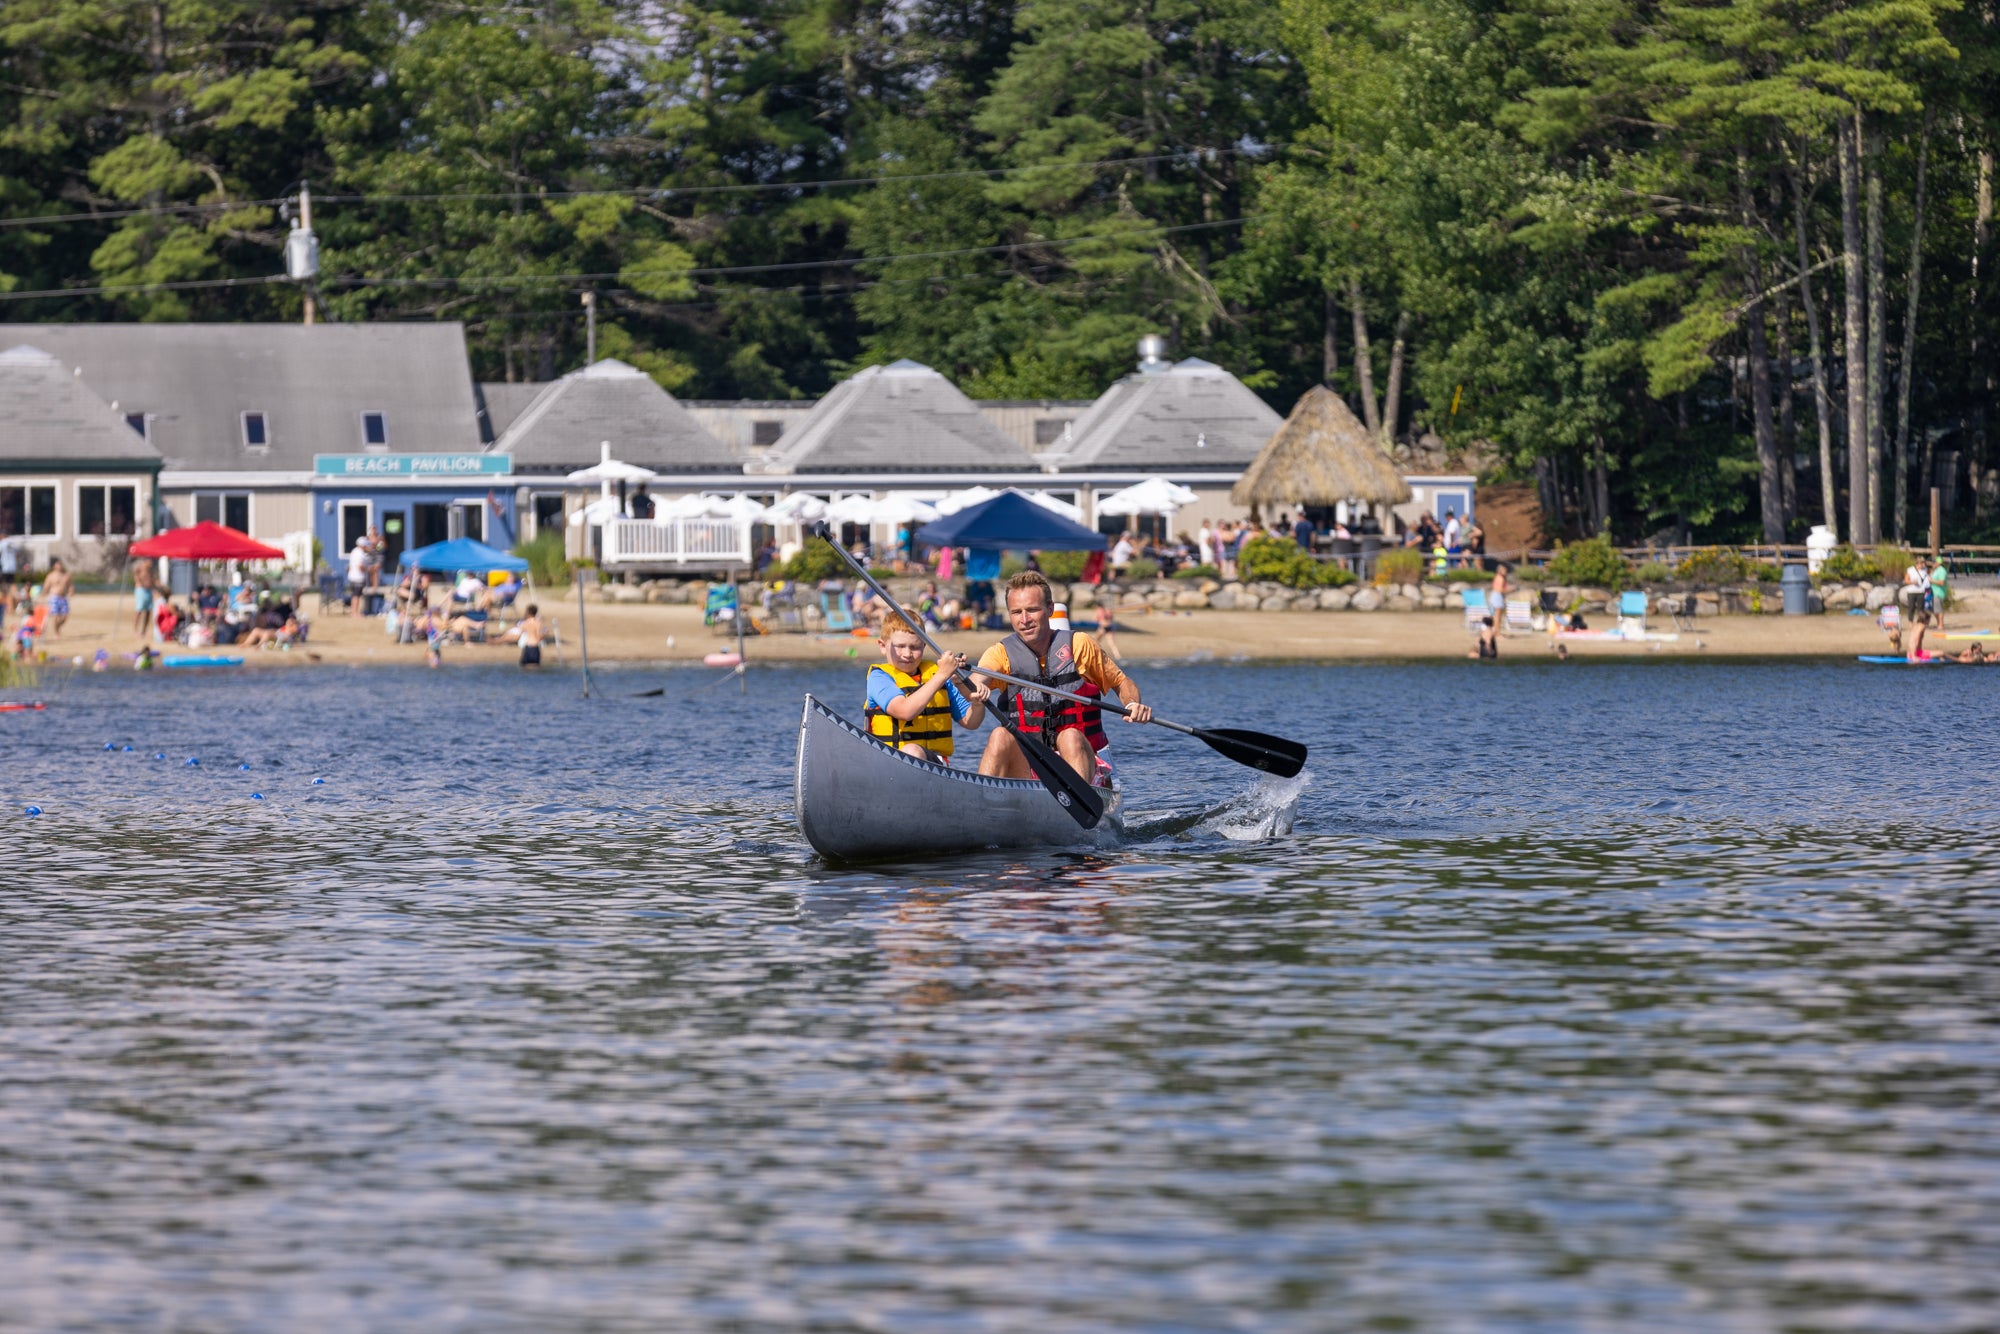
(1155, 495)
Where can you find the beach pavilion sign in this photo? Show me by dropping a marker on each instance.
(412, 465)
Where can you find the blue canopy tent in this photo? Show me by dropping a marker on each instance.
(462, 553)
(1009, 521)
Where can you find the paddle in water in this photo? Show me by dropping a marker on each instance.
(1084, 802)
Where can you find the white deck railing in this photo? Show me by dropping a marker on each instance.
(676, 542)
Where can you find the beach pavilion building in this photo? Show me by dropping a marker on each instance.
(76, 480)
(295, 433)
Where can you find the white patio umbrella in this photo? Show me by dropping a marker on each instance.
(1155, 495)
(608, 470)
(597, 513)
(955, 501)
(852, 509)
(897, 509)
(738, 507)
(798, 507)
(1049, 502)
(683, 507)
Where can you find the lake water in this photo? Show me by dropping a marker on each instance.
(1634, 997)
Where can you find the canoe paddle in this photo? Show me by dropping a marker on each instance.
(1071, 789)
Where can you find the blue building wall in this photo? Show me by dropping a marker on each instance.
(396, 510)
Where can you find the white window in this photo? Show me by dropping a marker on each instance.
(375, 430)
(256, 431)
(108, 509)
(28, 509)
(231, 509)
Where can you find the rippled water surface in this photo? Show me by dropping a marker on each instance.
(1640, 997)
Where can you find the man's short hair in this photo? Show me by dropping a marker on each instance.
(1033, 579)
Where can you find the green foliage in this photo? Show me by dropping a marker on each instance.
(1714, 567)
(813, 562)
(1142, 568)
(18, 671)
(1892, 563)
(1593, 562)
(1845, 565)
(1281, 560)
(1653, 572)
(1063, 566)
(1466, 575)
(1400, 567)
(548, 565)
(1197, 572)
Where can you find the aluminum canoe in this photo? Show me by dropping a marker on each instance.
(859, 800)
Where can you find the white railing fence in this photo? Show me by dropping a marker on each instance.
(676, 542)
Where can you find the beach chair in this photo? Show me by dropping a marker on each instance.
(1889, 620)
(1474, 600)
(1520, 617)
(1683, 613)
(833, 606)
(1632, 613)
(719, 607)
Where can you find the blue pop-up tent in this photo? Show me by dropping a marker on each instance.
(462, 553)
(1009, 521)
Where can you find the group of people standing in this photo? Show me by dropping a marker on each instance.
(38, 610)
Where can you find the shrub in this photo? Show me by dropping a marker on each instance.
(1144, 567)
(1063, 566)
(1847, 566)
(548, 565)
(882, 571)
(1011, 566)
(1715, 566)
(1399, 567)
(1467, 575)
(1765, 572)
(1653, 572)
(1892, 563)
(1593, 562)
(1530, 574)
(1197, 572)
(1281, 560)
(815, 561)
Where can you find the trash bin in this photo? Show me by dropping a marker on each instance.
(1797, 586)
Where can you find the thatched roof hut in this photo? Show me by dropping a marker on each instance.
(1321, 456)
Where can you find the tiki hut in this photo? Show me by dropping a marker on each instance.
(1321, 456)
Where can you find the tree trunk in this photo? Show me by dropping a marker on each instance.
(1828, 496)
(1548, 492)
(1907, 371)
(1982, 375)
(1878, 319)
(1770, 489)
(1364, 369)
(1329, 348)
(1600, 488)
(1853, 329)
(1788, 426)
(1392, 393)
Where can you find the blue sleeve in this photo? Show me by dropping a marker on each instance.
(882, 692)
(960, 705)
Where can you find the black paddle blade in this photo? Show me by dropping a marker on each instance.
(1084, 803)
(1259, 750)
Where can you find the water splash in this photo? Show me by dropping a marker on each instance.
(1264, 810)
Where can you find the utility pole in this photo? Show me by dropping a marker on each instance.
(302, 252)
(590, 328)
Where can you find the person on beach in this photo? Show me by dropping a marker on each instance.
(1939, 592)
(1067, 660)
(145, 587)
(1914, 650)
(56, 589)
(357, 576)
(1105, 625)
(527, 632)
(1974, 656)
(913, 701)
(1488, 647)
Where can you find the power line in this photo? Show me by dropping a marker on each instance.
(109, 289)
(625, 192)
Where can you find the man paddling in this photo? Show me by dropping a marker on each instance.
(1064, 659)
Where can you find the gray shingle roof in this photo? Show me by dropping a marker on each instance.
(503, 403)
(312, 383)
(47, 415)
(903, 417)
(1192, 415)
(565, 426)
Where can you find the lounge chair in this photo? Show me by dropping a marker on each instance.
(833, 606)
(1476, 610)
(1632, 613)
(1683, 613)
(1519, 615)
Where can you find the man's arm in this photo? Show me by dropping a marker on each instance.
(1097, 668)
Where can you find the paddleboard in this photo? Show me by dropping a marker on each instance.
(1880, 660)
(204, 660)
(36, 707)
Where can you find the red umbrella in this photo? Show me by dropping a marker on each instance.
(206, 541)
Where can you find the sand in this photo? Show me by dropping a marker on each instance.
(640, 632)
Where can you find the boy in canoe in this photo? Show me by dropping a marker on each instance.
(1066, 659)
(912, 701)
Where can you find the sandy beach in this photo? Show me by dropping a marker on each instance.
(642, 632)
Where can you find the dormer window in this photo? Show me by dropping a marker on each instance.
(256, 431)
(137, 421)
(375, 430)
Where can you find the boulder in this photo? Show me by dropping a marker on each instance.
(1232, 587)
(1368, 599)
(1082, 595)
(625, 593)
(1275, 602)
(1843, 598)
(1160, 597)
(1210, 586)
(1225, 600)
(1335, 599)
(1401, 603)
(1189, 599)
(1410, 591)
(657, 594)
(1265, 588)
(1880, 596)
(1433, 598)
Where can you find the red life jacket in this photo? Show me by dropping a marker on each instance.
(1033, 711)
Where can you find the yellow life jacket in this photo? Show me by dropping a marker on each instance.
(930, 729)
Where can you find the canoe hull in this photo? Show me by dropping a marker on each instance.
(859, 800)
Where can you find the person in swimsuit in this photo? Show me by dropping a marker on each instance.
(1915, 650)
(527, 632)
(55, 591)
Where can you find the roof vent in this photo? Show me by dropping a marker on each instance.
(1152, 354)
